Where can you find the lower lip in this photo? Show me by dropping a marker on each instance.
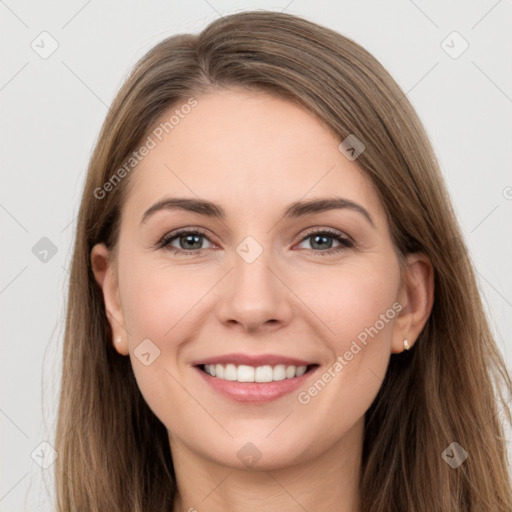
(255, 392)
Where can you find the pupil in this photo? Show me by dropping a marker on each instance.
(322, 237)
(187, 238)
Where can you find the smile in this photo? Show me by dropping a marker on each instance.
(246, 373)
(255, 384)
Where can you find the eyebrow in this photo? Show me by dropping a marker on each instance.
(293, 210)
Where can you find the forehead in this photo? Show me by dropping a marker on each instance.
(246, 150)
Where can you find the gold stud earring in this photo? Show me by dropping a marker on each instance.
(406, 344)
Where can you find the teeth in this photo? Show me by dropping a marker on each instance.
(263, 374)
(244, 373)
(230, 372)
(279, 372)
(290, 372)
(301, 370)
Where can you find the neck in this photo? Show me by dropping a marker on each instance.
(329, 481)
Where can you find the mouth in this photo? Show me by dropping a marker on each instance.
(258, 374)
(248, 384)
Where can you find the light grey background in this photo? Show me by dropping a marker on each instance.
(52, 109)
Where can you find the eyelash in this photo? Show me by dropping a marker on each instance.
(346, 243)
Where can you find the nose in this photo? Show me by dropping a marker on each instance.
(255, 296)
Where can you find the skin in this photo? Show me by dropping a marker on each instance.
(254, 154)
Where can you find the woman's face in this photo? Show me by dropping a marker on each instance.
(267, 276)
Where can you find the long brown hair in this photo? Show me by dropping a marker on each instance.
(450, 387)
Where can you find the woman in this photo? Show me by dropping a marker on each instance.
(271, 306)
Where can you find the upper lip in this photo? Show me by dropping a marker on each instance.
(252, 360)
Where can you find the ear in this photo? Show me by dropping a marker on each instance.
(416, 296)
(105, 273)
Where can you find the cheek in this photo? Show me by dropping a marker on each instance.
(161, 304)
(356, 303)
(360, 301)
(158, 306)
(157, 298)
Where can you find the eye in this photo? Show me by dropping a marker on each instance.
(321, 241)
(189, 241)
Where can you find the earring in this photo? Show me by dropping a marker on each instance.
(406, 344)
(119, 339)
